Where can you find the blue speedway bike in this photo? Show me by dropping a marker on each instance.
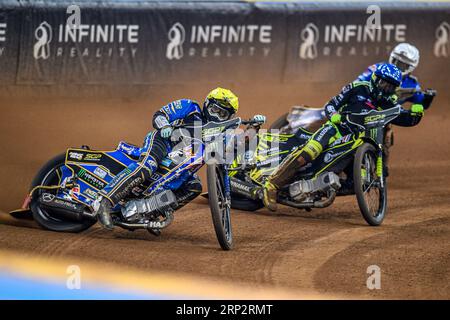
(64, 189)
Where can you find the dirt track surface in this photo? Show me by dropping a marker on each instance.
(323, 251)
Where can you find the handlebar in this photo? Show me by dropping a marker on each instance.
(252, 122)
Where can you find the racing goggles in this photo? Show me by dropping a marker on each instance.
(219, 112)
(386, 87)
(403, 66)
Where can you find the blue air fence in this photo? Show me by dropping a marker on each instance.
(171, 43)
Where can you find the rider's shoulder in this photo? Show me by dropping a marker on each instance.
(359, 84)
(184, 104)
(193, 105)
(374, 66)
(410, 79)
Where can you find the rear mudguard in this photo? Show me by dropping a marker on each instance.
(22, 214)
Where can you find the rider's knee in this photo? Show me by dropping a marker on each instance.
(150, 163)
(312, 149)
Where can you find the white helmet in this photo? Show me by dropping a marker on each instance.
(405, 56)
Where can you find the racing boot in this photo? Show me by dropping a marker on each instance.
(102, 210)
(280, 177)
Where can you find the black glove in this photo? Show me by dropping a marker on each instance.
(430, 92)
(429, 95)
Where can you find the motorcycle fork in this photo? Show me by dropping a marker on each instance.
(380, 167)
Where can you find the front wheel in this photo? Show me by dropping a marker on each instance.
(220, 204)
(370, 192)
(240, 203)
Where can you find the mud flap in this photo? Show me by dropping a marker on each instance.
(204, 195)
(22, 214)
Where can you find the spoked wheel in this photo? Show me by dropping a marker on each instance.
(220, 204)
(370, 192)
(241, 203)
(50, 175)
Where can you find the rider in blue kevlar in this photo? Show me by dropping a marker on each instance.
(220, 105)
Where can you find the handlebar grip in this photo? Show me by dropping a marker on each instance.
(251, 121)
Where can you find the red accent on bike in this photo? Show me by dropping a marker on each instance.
(370, 105)
(26, 202)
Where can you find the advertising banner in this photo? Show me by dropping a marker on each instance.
(327, 45)
(163, 43)
(10, 34)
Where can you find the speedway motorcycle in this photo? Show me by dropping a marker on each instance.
(62, 192)
(353, 164)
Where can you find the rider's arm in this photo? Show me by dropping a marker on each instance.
(176, 110)
(336, 103)
(407, 118)
(422, 97)
(425, 98)
(411, 82)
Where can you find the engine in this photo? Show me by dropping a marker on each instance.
(303, 189)
(161, 203)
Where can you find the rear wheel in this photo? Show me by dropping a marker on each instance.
(241, 203)
(371, 195)
(49, 175)
(220, 204)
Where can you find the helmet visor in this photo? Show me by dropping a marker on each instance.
(219, 112)
(386, 87)
(403, 66)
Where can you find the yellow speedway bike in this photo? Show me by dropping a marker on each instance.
(353, 164)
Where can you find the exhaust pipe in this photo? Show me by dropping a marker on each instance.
(149, 226)
(316, 204)
(64, 209)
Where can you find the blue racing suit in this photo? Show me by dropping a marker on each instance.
(153, 151)
(410, 90)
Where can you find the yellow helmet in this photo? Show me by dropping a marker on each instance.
(220, 105)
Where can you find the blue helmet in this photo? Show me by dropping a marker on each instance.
(385, 80)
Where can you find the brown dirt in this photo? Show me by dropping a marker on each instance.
(324, 251)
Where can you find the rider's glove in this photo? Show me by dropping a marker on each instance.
(259, 118)
(417, 110)
(336, 118)
(166, 132)
(430, 92)
(428, 96)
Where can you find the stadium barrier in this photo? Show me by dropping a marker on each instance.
(122, 43)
